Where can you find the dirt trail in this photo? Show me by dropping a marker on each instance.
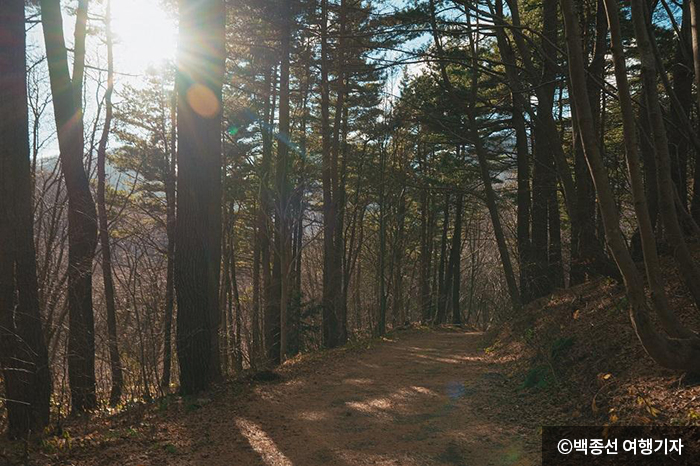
(419, 398)
(423, 398)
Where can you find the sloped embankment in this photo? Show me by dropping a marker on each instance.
(574, 359)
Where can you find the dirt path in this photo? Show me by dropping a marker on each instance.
(423, 398)
(420, 398)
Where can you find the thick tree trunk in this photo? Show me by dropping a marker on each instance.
(201, 58)
(283, 234)
(23, 352)
(541, 178)
(544, 182)
(82, 217)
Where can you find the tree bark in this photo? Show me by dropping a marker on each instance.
(201, 58)
(543, 118)
(283, 211)
(170, 220)
(695, 38)
(381, 321)
(523, 159)
(425, 253)
(110, 299)
(668, 319)
(331, 280)
(457, 262)
(23, 353)
(82, 217)
(682, 78)
(667, 195)
(265, 221)
(440, 317)
(669, 352)
(481, 157)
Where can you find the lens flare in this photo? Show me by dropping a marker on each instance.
(203, 101)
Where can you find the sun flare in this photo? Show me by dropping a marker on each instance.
(145, 33)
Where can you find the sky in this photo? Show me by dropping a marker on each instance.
(145, 35)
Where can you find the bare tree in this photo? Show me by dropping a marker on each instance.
(82, 218)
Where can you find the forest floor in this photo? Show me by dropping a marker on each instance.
(417, 397)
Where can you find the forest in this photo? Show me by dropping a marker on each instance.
(398, 232)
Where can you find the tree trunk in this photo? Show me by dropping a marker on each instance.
(23, 353)
(457, 262)
(82, 217)
(442, 292)
(481, 157)
(425, 259)
(523, 159)
(543, 118)
(541, 178)
(695, 38)
(381, 322)
(265, 221)
(588, 249)
(237, 321)
(556, 262)
(110, 299)
(255, 314)
(331, 282)
(667, 196)
(682, 77)
(283, 217)
(398, 314)
(338, 180)
(170, 184)
(201, 57)
(671, 353)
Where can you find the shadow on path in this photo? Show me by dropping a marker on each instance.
(422, 398)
